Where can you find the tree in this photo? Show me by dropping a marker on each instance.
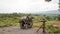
(58, 17)
(48, 0)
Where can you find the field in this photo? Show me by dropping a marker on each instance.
(52, 22)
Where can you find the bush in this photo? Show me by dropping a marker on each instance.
(58, 17)
(51, 29)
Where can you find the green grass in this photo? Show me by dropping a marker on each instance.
(50, 26)
(9, 21)
(13, 20)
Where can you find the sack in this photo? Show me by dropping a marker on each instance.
(24, 17)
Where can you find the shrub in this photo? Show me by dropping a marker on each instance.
(50, 28)
(58, 17)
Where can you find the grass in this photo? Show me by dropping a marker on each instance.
(14, 21)
(9, 22)
(50, 26)
(3, 32)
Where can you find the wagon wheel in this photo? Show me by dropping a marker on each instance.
(30, 26)
(21, 26)
(25, 26)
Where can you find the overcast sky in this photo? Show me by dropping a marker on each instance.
(27, 6)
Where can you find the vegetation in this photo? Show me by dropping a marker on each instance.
(58, 17)
(52, 24)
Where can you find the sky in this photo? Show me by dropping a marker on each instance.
(27, 6)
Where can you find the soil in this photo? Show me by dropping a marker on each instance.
(17, 30)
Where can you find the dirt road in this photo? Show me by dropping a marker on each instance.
(17, 30)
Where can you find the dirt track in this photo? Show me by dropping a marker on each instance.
(17, 30)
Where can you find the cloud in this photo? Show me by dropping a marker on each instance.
(26, 6)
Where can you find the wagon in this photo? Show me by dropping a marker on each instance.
(24, 24)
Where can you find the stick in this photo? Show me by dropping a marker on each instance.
(39, 28)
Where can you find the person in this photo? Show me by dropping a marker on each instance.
(43, 26)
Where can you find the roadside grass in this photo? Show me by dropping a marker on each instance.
(9, 22)
(51, 26)
(3, 32)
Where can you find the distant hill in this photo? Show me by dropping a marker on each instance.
(48, 12)
(38, 12)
